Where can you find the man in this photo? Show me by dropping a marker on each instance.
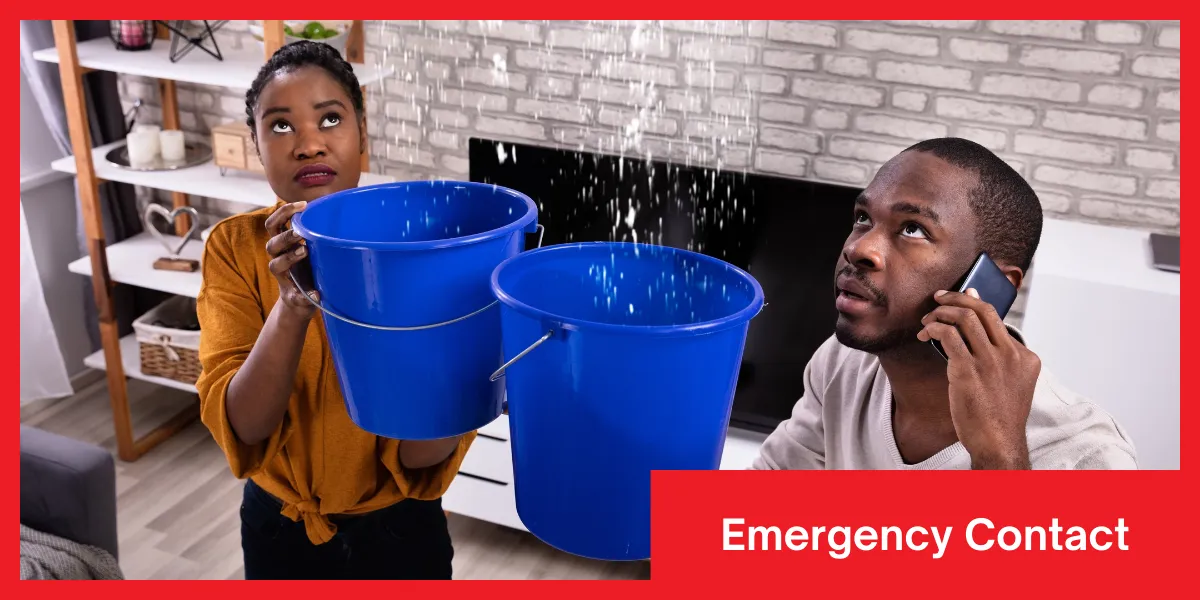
(878, 395)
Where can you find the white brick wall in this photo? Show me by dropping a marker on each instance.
(1053, 147)
(978, 50)
(1168, 99)
(831, 90)
(1062, 30)
(850, 66)
(790, 139)
(1096, 124)
(991, 139)
(936, 76)
(1121, 95)
(1120, 33)
(1075, 61)
(786, 112)
(864, 149)
(878, 41)
(969, 109)
(790, 60)
(1038, 88)
(910, 100)
(830, 118)
(1088, 111)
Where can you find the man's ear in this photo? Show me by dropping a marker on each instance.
(1014, 274)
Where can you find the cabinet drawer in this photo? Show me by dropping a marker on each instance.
(229, 151)
(253, 162)
(489, 459)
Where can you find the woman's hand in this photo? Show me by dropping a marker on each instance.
(286, 248)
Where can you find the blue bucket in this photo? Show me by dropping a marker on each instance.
(402, 270)
(622, 359)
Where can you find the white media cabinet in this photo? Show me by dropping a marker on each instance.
(1106, 323)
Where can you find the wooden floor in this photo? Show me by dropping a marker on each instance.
(178, 505)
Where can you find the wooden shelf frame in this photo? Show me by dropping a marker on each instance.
(71, 72)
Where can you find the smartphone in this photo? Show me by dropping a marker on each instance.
(993, 287)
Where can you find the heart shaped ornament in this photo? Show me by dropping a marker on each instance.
(171, 216)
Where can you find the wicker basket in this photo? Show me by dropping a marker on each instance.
(169, 352)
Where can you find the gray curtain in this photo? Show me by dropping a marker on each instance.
(118, 202)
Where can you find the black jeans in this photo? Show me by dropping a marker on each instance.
(408, 540)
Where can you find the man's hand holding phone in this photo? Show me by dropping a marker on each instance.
(992, 379)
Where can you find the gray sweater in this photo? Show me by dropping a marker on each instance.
(844, 421)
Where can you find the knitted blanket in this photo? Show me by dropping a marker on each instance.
(46, 556)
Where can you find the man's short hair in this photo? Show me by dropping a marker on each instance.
(1007, 210)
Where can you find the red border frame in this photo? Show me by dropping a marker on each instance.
(1158, 506)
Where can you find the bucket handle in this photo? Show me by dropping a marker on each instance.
(308, 296)
(503, 368)
(500, 372)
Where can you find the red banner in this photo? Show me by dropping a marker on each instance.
(915, 533)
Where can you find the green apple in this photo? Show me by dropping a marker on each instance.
(314, 30)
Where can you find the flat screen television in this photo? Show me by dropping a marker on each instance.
(787, 233)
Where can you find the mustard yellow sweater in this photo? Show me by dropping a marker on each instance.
(318, 462)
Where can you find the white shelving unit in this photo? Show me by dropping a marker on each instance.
(133, 365)
(237, 70)
(131, 261)
(202, 180)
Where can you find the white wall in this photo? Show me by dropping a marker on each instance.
(49, 202)
(1087, 111)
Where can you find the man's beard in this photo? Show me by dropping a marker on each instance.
(884, 342)
(880, 344)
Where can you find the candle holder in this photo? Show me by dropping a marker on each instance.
(132, 35)
(196, 151)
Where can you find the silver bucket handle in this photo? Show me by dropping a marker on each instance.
(308, 296)
(500, 372)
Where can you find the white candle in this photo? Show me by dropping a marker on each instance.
(171, 144)
(151, 132)
(142, 146)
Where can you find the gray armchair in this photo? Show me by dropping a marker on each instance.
(68, 489)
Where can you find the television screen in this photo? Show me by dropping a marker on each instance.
(786, 233)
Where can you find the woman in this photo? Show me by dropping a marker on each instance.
(325, 499)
